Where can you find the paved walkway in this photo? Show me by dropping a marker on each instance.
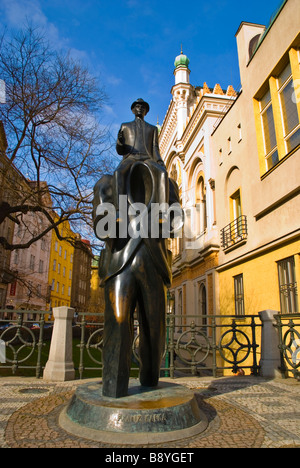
(242, 412)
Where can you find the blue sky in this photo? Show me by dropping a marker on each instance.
(132, 44)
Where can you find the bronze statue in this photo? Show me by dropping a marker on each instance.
(135, 266)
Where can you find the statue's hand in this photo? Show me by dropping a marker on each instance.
(121, 137)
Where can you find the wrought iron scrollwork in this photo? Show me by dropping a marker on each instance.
(21, 343)
(18, 343)
(193, 347)
(95, 342)
(289, 343)
(234, 343)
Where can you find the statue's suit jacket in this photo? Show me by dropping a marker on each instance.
(142, 140)
(119, 253)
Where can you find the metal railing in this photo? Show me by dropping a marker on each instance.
(211, 344)
(234, 233)
(288, 326)
(22, 339)
(197, 345)
(91, 342)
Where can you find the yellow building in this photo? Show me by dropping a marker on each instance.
(97, 301)
(61, 267)
(257, 181)
(235, 157)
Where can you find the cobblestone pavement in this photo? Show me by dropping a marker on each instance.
(243, 412)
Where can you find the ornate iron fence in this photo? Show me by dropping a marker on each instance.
(194, 344)
(288, 326)
(91, 341)
(199, 345)
(210, 344)
(22, 339)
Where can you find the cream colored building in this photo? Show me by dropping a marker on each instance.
(30, 290)
(186, 148)
(257, 176)
(235, 157)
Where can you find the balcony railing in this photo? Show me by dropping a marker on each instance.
(234, 233)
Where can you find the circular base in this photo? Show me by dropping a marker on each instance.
(165, 413)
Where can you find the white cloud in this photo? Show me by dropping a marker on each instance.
(114, 80)
(17, 13)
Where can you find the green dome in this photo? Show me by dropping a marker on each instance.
(182, 61)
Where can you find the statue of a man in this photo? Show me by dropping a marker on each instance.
(135, 270)
(138, 141)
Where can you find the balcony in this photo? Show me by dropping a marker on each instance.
(235, 234)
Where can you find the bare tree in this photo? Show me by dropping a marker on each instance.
(55, 138)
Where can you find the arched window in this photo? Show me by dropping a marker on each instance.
(202, 306)
(201, 222)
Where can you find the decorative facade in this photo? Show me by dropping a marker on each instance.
(257, 178)
(185, 144)
(82, 269)
(236, 159)
(7, 176)
(30, 266)
(61, 267)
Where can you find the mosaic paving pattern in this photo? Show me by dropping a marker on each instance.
(242, 412)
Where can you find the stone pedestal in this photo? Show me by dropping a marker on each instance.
(60, 365)
(270, 354)
(165, 413)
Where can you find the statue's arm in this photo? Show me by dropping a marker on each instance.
(156, 152)
(120, 146)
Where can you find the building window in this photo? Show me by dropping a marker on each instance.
(203, 307)
(290, 118)
(16, 261)
(53, 285)
(287, 286)
(269, 134)
(237, 226)
(54, 265)
(201, 219)
(236, 205)
(278, 109)
(239, 295)
(32, 262)
(41, 266)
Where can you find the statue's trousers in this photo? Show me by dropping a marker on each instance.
(137, 284)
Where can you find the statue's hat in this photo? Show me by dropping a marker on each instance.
(141, 101)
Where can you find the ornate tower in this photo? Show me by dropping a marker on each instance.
(181, 91)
